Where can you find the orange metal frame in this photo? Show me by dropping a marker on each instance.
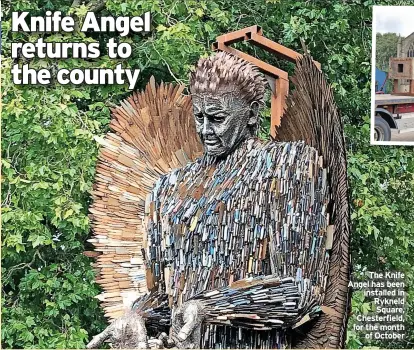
(254, 35)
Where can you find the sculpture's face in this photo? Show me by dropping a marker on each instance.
(223, 120)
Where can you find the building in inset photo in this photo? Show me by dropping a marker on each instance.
(405, 47)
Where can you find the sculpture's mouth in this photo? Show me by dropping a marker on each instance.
(212, 142)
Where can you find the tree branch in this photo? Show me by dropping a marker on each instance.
(99, 6)
(24, 265)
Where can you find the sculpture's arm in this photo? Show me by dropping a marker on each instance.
(261, 303)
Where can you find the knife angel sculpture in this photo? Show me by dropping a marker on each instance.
(209, 237)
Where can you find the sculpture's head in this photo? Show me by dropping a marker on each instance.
(227, 93)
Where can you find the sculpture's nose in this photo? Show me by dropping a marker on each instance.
(206, 127)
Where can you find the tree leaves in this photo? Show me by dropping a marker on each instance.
(386, 47)
(382, 182)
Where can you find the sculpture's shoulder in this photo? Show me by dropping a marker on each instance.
(273, 159)
(282, 146)
(175, 177)
(257, 147)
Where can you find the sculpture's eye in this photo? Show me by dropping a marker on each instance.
(199, 117)
(219, 117)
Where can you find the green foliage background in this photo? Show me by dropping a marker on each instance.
(386, 47)
(48, 152)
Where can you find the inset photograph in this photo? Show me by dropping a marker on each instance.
(392, 117)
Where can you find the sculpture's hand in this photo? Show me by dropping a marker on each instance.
(126, 332)
(162, 342)
(186, 325)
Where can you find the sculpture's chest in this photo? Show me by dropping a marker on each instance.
(211, 224)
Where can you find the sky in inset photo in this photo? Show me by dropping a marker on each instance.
(395, 19)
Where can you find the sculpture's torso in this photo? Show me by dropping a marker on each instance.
(262, 210)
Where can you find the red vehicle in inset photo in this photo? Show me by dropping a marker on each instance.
(389, 107)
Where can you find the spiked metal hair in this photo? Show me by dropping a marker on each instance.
(226, 73)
